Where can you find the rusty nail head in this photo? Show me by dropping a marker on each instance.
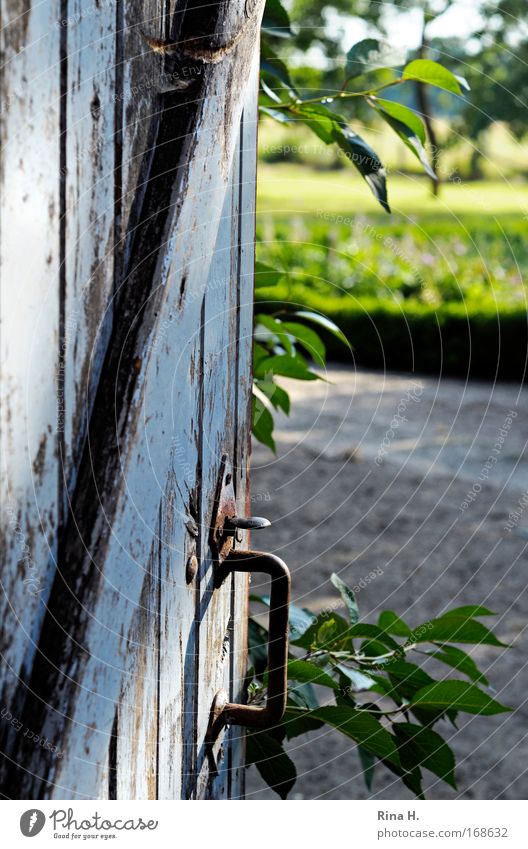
(216, 716)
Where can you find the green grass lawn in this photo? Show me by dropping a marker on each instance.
(285, 188)
(440, 283)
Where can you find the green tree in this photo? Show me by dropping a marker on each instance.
(368, 72)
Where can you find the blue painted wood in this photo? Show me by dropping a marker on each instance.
(150, 316)
(31, 378)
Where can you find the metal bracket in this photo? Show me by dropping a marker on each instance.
(225, 524)
(222, 538)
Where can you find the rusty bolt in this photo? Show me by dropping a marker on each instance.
(191, 569)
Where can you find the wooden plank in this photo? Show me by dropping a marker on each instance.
(242, 446)
(31, 383)
(104, 552)
(110, 104)
(228, 344)
(138, 111)
(89, 168)
(219, 390)
(179, 648)
(136, 729)
(179, 581)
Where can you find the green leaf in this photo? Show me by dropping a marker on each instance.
(348, 597)
(469, 610)
(279, 337)
(407, 678)
(303, 696)
(300, 619)
(463, 83)
(367, 162)
(271, 64)
(362, 727)
(308, 338)
(336, 634)
(458, 695)
(278, 396)
(258, 645)
(267, 321)
(384, 687)
(265, 275)
(403, 115)
(320, 120)
(260, 353)
(279, 115)
(276, 20)
(262, 423)
(452, 628)
(254, 687)
(285, 330)
(458, 659)
(408, 126)
(323, 321)
(309, 673)
(376, 653)
(391, 623)
(371, 54)
(410, 775)
(425, 748)
(330, 127)
(289, 366)
(326, 632)
(297, 722)
(266, 90)
(368, 764)
(359, 680)
(372, 632)
(427, 71)
(274, 765)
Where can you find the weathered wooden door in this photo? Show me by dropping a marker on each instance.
(128, 168)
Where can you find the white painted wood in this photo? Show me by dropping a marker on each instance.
(227, 390)
(31, 383)
(219, 422)
(90, 163)
(179, 587)
(247, 210)
(137, 101)
(125, 630)
(135, 764)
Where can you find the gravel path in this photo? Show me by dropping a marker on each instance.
(418, 477)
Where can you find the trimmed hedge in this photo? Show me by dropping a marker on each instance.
(463, 339)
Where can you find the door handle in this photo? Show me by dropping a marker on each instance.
(225, 528)
(273, 711)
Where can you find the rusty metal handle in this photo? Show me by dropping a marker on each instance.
(250, 715)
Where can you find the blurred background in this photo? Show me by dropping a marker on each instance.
(432, 299)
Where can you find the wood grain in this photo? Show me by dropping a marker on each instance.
(32, 384)
(149, 314)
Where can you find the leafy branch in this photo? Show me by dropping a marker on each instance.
(284, 345)
(280, 100)
(356, 677)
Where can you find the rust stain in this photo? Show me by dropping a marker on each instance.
(39, 461)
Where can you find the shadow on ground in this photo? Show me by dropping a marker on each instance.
(395, 472)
